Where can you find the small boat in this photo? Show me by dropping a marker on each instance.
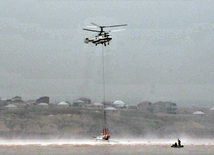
(176, 146)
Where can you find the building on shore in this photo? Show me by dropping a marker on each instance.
(11, 106)
(17, 101)
(145, 106)
(79, 103)
(63, 104)
(119, 104)
(111, 111)
(86, 100)
(98, 105)
(43, 104)
(212, 109)
(165, 107)
(43, 99)
(199, 115)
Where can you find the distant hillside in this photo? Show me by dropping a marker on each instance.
(37, 122)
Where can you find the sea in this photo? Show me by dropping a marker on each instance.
(114, 147)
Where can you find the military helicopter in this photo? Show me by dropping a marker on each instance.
(102, 37)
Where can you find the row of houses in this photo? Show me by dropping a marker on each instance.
(44, 101)
(163, 107)
(19, 101)
(110, 107)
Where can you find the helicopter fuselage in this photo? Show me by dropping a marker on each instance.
(101, 40)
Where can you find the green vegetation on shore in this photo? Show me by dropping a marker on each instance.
(70, 122)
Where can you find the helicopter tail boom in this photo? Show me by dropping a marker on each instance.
(87, 40)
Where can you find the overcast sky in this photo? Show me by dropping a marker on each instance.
(165, 53)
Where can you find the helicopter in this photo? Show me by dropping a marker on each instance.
(102, 37)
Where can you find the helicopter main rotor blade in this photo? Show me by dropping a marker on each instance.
(92, 27)
(95, 24)
(91, 30)
(117, 30)
(116, 25)
(109, 26)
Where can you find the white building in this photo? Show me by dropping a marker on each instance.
(11, 106)
(212, 109)
(43, 104)
(111, 111)
(119, 104)
(63, 104)
(198, 113)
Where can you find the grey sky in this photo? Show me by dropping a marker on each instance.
(166, 52)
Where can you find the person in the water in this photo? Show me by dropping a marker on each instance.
(179, 142)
